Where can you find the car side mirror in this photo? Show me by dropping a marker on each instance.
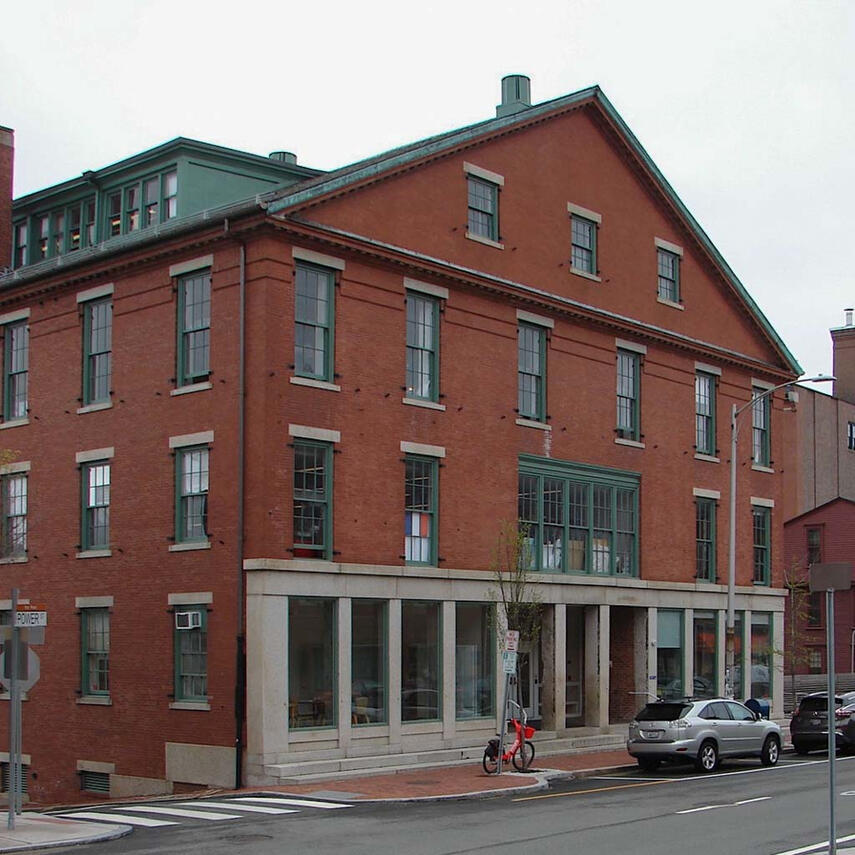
(758, 716)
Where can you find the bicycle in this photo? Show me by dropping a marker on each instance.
(521, 753)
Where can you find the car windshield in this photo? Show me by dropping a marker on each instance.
(663, 712)
(817, 704)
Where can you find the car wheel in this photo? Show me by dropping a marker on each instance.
(648, 764)
(707, 759)
(771, 751)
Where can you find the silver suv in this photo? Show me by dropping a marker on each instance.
(703, 731)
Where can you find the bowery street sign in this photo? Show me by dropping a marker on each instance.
(31, 615)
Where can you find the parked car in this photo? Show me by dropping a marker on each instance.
(809, 724)
(703, 732)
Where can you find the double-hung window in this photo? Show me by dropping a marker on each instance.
(705, 401)
(422, 379)
(483, 208)
(194, 327)
(760, 417)
(95, 522)
(628, 394)
(190, 640)
(312, 499)
(584, 225)
(577, 519)
(191, 494)
(16, 360)
(761, 517)
(314, 316)
(420, 510)
(95, 651)
(814, 556)
(13, 536)
(668, 264)
(97, 350)
(531, 372)
(705, 537)
(19, 245)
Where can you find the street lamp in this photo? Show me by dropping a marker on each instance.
(731, 557)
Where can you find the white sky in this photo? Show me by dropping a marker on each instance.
(746, 107)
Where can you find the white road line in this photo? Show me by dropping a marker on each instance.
(700, 809)
(731, 804)
(182, 812)
(231, 805)
(751, 801)
(293, 802)
(819, 848)
(115, 817)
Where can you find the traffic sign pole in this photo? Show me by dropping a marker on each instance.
(14, 718)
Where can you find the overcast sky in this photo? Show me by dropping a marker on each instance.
(746, 107)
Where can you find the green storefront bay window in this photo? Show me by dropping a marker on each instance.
(97, 350)
(577, 518)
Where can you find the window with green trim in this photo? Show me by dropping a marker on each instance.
(97, 350)
(583, 244)
(19, 245)
(669, 654)
(628, 394)
(14, 521)
(483, 208)
(422, 347)
(760, 414)
(705, 399)
(191, 653)
(95, 523)
(312, 499)
(420, 510)
(314, 316)
(575, 518)
(194, 328)
(16, 362)
(668, 264)
(95, 652)
(705, 536)
(531, 372)
(761, 518)
(191, 501)
(146, 202)
(42, 223)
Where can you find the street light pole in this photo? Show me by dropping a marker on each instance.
(730, 640)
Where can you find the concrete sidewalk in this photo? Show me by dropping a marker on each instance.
(35, 831)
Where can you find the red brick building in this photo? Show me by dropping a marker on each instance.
(264, 451)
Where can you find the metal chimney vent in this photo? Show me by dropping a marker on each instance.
(848, 315)
(516, 95)
(284, 157)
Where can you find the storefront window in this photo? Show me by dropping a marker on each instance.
(368, 658)
(704, 659)
(669, 654)
(474, 657)
(738, 655)
(420, 661)
(761, 655)
(311, 662)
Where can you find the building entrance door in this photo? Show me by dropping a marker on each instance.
(529, 676)
(574, 706)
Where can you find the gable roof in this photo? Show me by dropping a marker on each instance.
(373, 168)
(818, 508)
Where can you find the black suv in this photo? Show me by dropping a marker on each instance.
(809, 724)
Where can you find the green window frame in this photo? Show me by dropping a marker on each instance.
(42, 223)
(761, 411)
(313, 647)
(583, 244)
(668, 266)
(670, 644)
(762, 527)
(705, 407)
(97, 350)
(705, 539)
(475, 660)
(422, 375)
(531, 372)
(312, 519)
(191, 494)
(95, 505)
(369, 656)
(194, 328)
(483, 208)
(16, 362)
(14, 519)
(575, 518)
(20, 256)
(95, 651)
(628, 395)
(314, 321)
(190, 645)
(420, 510)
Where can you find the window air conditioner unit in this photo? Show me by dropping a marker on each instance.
(188, 620)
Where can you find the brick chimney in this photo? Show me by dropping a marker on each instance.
(7, 152)
(843, 343)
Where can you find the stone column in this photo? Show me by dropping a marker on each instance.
(652, 648)
(345, 646)
(553, 640)
(597, 666)
(394, 687)
(689, 652)
(777, 675)
(449, 670)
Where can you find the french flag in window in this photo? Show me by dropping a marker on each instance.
(417, 536)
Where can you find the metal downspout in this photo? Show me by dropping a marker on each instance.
(240, 646)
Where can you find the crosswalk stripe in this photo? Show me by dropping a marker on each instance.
(116, 817)
(230, 805)
(183, 812)
(294, 802)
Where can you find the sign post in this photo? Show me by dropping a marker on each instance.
(509, 667)
(830, 578)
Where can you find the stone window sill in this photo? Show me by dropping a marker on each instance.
(418, 402)
(200, 706)
(315, 384)
(94, 408)
(95, 553)
(13, 423)
(585, 275)
(193, 387)
(531, 423)
(486, 241)
(95, 700)
(190, 547)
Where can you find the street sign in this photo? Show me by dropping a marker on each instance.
(29, 669)
(512, 640)
(835, 576)
(509, 662)
(30, 617)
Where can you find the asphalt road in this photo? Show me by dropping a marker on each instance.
(742, 809)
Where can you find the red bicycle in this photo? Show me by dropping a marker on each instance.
(521, 753)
